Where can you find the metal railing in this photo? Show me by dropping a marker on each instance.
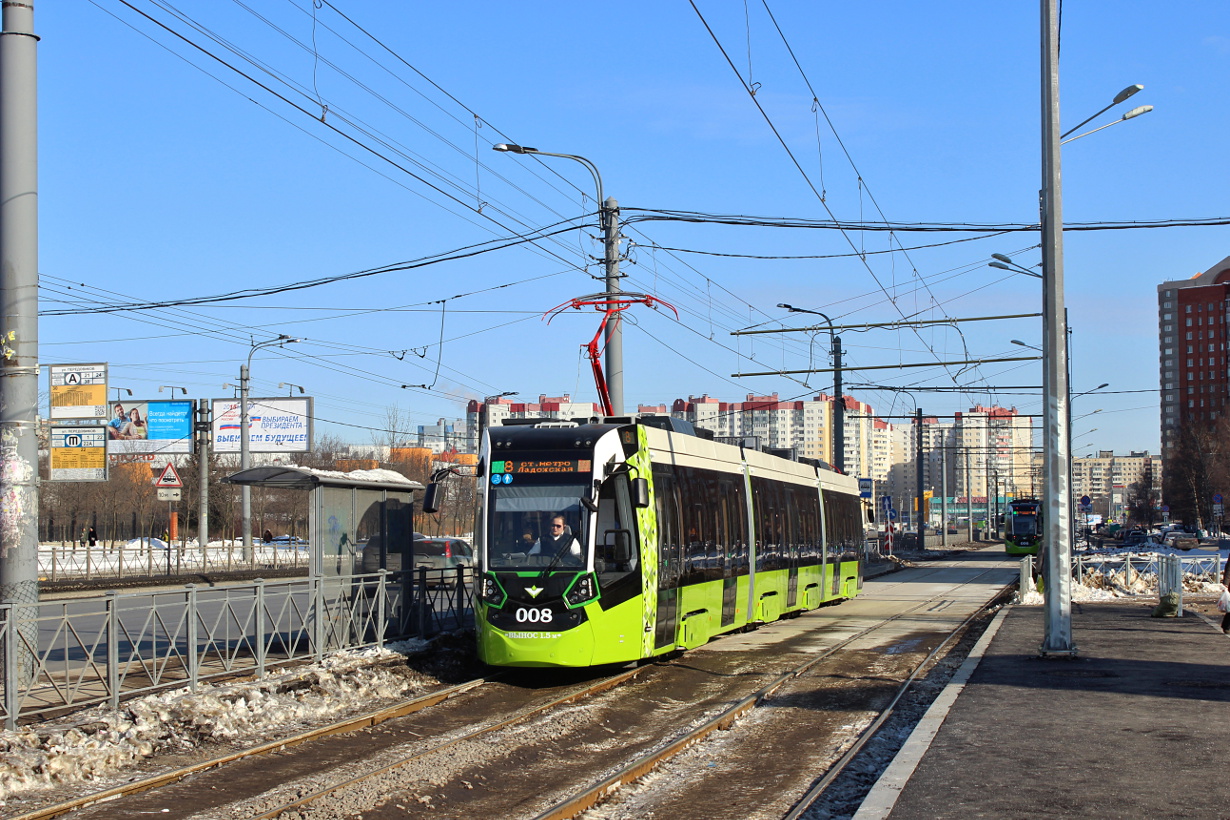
(144, 560)
(1196, 567)
(66, 655)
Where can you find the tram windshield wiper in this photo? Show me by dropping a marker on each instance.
(559, 554)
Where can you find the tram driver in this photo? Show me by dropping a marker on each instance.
(558, 541)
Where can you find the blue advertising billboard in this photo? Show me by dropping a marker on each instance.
(162, 427)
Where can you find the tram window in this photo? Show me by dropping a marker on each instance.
(520, 515)
(616, 551)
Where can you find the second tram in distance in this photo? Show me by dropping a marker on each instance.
(1023, 526)
(616, 540)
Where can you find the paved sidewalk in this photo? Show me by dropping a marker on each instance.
(1136, 726)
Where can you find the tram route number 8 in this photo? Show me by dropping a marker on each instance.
(534, 615)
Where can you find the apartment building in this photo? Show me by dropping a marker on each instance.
(1191, 319)
(1107, 479)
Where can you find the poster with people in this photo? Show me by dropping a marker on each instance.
(149, 427)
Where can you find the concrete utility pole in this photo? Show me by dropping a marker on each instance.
(244, 436)
(203, 429)
(1057, 638)
(19, 303)
(944, 497)
(969, 499)
(839, 401)
(609, 219)
(615, 327)
(918, 474)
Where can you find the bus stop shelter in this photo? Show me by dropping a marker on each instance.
(346, 510)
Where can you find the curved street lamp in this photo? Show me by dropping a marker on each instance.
(839, 402)
(244, 433)
(608, 210)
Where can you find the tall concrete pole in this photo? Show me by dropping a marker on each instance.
(839, 405)
(944, 497)
(19, 303)
(1057, 638)
(614, 328)
(969, 499)
(918, 475)
(203, 428)
(245, 460)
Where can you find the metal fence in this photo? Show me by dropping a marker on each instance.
(66, 655)
(1197, 567)
(151, 558)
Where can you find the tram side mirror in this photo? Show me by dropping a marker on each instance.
(431, 498)
(640, 493)
(871, 516)
(588, 503)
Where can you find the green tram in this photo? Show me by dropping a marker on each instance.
(668, 539)
(1023, 527)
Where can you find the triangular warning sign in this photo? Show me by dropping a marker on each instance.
(169, 477)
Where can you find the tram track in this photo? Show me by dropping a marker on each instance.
(514, 764)
(596, 793)
(334, 730)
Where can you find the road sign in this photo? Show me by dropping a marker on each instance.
(169, 478)
(169, 495)
(1086, 501)
(1217, 498)
(1165, 508)
(864, 487)
(892, 515)
(1218, 509)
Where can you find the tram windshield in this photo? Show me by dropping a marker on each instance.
(1024, 523)
(537, 527)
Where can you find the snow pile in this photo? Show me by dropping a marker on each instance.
(1079, 593)
(99, 742)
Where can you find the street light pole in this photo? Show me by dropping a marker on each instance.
(244, 432)
(1057, 638)
(839, 402)
(608, 213)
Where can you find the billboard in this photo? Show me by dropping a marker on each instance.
(78, 453)
(78, 391)
(274, 425)
(150, 427)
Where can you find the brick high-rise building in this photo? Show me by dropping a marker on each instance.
(1192, 351)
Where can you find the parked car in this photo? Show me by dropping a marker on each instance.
(433, 553)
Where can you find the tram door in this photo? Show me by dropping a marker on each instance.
(723, 493)
(670, 555)
(791, 544)
(832, 545)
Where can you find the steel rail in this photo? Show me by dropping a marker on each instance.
(593, 689)
(634, 771)
(353, 724)
(835, 771)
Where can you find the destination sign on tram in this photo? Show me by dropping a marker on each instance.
(532, 466)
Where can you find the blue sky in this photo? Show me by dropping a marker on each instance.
(159, 182)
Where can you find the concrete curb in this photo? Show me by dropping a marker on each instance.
(883, 796)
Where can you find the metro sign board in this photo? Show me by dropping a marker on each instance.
(78, 453)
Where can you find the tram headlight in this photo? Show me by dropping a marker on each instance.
(583, 590)
(491, 593)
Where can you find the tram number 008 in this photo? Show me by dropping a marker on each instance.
(534, 615)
